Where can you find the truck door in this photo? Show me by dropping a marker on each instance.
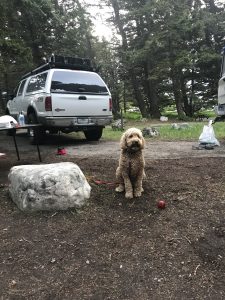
(16, 102)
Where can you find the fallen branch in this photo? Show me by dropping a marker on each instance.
(195, 272)
(188, 240)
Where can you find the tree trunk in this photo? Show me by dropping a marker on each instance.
(119, 23)
(36, 53)
(90, 51)
(124, 98)
(116, 105)
(174, 74)
(177, 93)
(138, 96)
(188, 109)
(150, 88)
(154, 107)
(58, 8)
(212, 6)
(134, 82)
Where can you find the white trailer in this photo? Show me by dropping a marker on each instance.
(220, 108)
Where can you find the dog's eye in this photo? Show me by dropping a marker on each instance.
(131, 136)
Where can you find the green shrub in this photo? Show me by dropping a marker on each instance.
(132, 115)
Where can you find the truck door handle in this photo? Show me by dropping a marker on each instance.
(82, 98)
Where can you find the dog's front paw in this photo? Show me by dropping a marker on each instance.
(120, 188)
(129, 195)
(137, 193)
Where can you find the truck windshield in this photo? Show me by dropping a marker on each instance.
(77, 82)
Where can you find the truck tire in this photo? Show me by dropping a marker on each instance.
(93, 134)
(37, 136)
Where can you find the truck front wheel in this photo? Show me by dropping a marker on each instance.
(93, 134)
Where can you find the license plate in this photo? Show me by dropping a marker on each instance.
(82, 121)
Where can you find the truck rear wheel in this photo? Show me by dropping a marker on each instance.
(93, 134)
(36, 135)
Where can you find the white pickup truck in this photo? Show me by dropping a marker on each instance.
(63, 95)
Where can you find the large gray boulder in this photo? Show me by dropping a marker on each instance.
(56, 186)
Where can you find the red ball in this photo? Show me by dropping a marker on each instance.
(161, 204)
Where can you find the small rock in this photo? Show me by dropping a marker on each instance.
(180, 126)
(12, 283)
(150, 132)
(163, 119)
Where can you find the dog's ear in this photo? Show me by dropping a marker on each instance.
(123, 141)
(142, 142)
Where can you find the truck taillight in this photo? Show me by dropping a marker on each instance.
(110, 104)
(48, 103)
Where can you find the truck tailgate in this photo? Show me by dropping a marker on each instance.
(67, 105)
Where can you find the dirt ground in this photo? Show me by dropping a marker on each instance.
(116, 248)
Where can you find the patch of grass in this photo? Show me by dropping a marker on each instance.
(167, 132)
(111, 135)
(219, 129)
(191, 133)
(171, 113)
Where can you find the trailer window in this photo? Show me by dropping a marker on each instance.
(223, 66)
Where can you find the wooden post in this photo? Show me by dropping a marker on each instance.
(122, 124)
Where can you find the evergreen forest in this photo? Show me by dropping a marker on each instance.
(162, 53)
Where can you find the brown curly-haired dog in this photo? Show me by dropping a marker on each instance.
(130, 171)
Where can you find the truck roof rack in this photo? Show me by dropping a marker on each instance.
(63, 62)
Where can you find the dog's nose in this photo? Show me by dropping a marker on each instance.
(135, 143)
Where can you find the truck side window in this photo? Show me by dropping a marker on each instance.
(37, 83)
(20, 92)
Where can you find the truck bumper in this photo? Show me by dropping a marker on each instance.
(75, 122)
